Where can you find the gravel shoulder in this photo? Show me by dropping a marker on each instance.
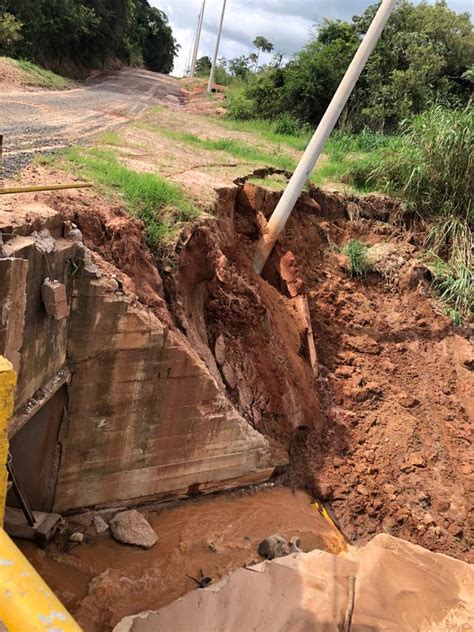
(40, 121)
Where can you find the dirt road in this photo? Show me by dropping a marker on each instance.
(33, 122)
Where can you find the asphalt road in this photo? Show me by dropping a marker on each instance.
(38, 122)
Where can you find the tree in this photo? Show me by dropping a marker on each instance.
(203, 65)
(156, 41)
(423, 58)
(10, 33)
(92, 33)
(262, 44)
(240, 66)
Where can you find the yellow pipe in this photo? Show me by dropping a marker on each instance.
(7, 389)
(46, 187)
(26, 602)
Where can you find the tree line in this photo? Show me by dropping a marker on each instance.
(424, 58)
(76, 35)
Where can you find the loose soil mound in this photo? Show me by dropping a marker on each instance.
(383, 433)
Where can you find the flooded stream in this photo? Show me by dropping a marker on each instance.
(101, 581)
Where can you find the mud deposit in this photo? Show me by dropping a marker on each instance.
(101, 581)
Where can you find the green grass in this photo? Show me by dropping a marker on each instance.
(111, 138)
(37, 76)
(356, 251)
(454, 282)
(161, 205)
(348, 158)
(275, 182)
(232, 146)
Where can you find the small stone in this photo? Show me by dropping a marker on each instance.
(76, 537)
(130, 527)
(337, 462)
(274, 546)
(428, 519)
(408, 401)
(362, 489)
(389, 489)
(219, 350)
(100, 524)
(417, 459)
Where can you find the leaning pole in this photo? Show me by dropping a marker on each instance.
(298, 180)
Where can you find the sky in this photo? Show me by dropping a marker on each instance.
(286, 23)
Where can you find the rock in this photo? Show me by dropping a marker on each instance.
(130, 527)
(407, 401)
(219, 350)
(417, 459)
(76, 537)
(274, 546)
(362, 489)
(295, 544)
(72, 232)
(428, 519)
(337, 462)
(100, 525)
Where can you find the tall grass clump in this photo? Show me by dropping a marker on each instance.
(161, 205)
(432, 169)
(356, 251)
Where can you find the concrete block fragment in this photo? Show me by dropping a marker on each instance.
(54, 298)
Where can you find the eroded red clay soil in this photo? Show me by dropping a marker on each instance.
(379, 426)
(382, 430)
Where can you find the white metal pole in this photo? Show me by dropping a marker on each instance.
(198, 39)
(216, 52)
(313, 151)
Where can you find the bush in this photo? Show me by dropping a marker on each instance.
(238, 105)
(287, 125)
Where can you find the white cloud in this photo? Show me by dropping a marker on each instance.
(286, 23)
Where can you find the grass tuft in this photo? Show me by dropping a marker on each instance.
(356, 251)
(110, 138)
(161, 205)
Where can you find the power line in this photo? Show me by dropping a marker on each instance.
(243, 5)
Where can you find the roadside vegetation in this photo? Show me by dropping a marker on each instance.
(160, 204)
(74, 36)
(30, 74)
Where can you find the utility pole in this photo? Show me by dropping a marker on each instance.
(198, 38)
(216, 52)
(298, 180)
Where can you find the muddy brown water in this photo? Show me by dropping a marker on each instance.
(101, 581)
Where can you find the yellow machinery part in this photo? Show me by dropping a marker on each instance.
(26, 602)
